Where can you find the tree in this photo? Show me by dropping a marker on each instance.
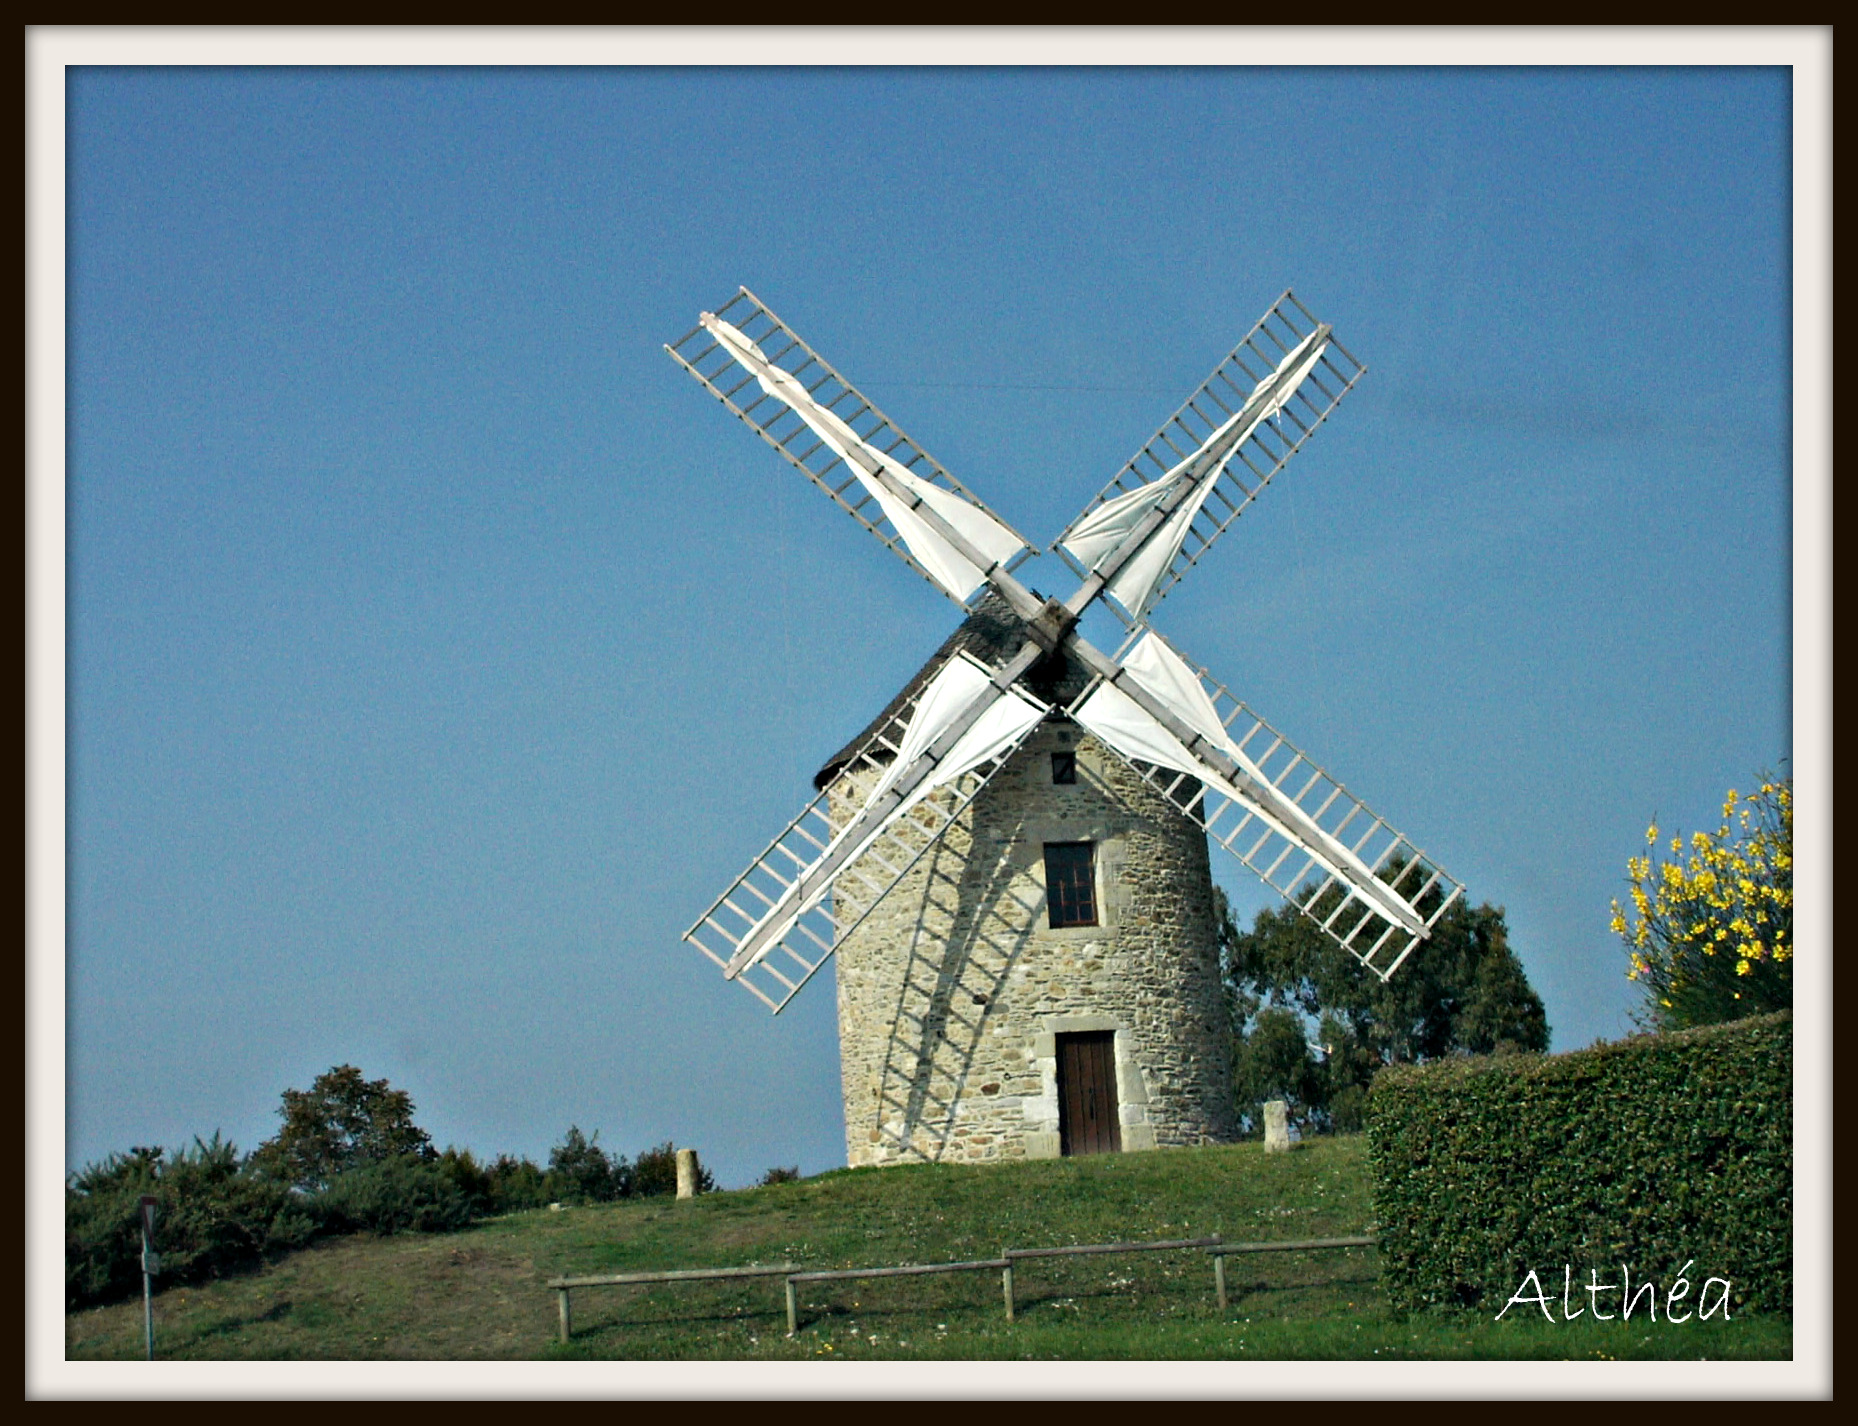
(1462, 991)
(579, 1170)
(341, 1122)
(1273, 1062)
(1710, 936)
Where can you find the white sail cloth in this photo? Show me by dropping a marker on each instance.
(1009, 715)
(957, 684)
(1099, 537)
(946, 565)
(1117, 719)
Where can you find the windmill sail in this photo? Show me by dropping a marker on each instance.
(1008, 716)
(1113, 537)
(762, 371)
(1287, 820)
(1226, 443)
(1284, 818)
(772, 929)
(947, 566)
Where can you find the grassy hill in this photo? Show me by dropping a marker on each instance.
(480, 1294)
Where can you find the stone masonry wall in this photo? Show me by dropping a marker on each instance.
(953, 989)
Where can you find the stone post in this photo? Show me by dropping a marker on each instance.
(1276, 1129)
(686, 1173)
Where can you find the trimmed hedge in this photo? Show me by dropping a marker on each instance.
(1647, 1154)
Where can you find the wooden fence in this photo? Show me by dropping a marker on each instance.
(1214, 1247)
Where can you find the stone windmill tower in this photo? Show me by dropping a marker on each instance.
(1045, 979)
(1011, 861)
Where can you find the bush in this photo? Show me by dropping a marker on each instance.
(1647, 1154)
(1711, 938)
(579, 1171)
(214, 1215)
(471, 1177)
(656, 1172)
(218, 1212)
(779, 1175)
(404, 1194)
(516, 1184)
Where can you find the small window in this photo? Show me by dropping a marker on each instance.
(1071, 883)
(1064, 767)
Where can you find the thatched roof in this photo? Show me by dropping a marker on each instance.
(993, 634)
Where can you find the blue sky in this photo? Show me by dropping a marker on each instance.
(437, 649)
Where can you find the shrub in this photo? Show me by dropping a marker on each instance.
(214, 1215)
(779, 1175)
(579, 1171)
(398, 1195)
(471, 1177)
(516, 1184)
(656, 1172)
(1711, 938)
(1647, 1154)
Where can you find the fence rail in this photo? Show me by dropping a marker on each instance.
(1214, 1247)
(564, 1285)
(1222, 1251)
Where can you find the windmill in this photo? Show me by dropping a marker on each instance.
(1011, 862)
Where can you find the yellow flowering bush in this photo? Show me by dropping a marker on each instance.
(1709, 931)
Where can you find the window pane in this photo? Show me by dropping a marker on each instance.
(1070, 883)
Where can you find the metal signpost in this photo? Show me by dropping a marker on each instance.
(151, 1264)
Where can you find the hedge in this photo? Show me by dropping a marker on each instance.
(1641, 1156)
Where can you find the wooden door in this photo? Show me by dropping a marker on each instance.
(1087, 1118)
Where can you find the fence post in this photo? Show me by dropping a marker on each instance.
(1006, 1287)
(793, 1310)
(567, 1320)
(1219, 1279)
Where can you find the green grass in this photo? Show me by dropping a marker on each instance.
(480, 1294)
